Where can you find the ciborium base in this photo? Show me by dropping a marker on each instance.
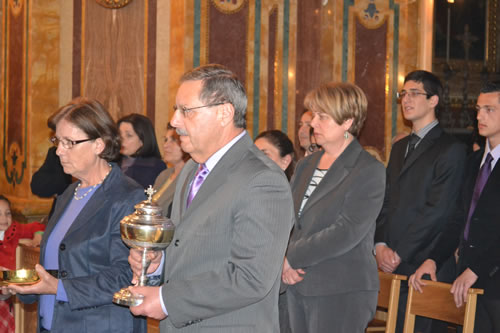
(125, 297)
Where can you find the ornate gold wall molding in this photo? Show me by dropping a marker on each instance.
(113, 4)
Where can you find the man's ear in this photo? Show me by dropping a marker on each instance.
(225, 114)
(434, 101)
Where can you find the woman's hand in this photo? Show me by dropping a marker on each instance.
(291, 276)
(46, 286)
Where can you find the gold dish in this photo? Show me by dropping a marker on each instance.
(20, 277)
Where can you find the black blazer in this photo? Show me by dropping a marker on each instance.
(420, 196)
(481, 251)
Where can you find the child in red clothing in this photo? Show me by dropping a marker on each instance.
(10, 233)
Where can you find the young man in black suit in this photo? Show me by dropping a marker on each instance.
(424, 174)
(475, 228)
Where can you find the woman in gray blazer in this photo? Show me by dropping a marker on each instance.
(82, 240)
(338, 192)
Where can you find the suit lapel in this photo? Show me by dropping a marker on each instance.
(491, 184)
(218, 175)
(61, 204)
(302, 182)
(471, 180)
(93, 206)
(337, 172)
(425, 144)
(185, 187)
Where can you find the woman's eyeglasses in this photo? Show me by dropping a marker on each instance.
(67, 144)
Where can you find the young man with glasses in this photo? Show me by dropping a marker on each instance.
(424, 175)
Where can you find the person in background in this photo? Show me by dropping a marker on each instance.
(141, 158)
(329, 270)
(50, 180)
(82, 240)
(279, 148)
(313, 146)
(10, 233)
(304, 132)
(165, 183)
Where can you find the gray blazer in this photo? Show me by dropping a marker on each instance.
(93, 260)
(333, 238)
(223, 268)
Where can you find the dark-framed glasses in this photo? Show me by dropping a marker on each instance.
(411, 94)
(187, 111)
(68, 144)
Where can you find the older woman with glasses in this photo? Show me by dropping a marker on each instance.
(338, 191)
(82, 243)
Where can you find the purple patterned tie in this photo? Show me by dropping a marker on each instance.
(481, 180)
(199, 178)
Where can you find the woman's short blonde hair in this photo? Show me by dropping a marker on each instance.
(342, 101)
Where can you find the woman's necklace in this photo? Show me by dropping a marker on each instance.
(90, 189)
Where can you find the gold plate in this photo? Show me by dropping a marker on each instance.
(20, 277)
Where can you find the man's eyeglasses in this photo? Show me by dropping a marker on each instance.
(411, 94)
(187, 111)
(67, 144)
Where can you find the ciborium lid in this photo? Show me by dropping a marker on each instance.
(147, 211)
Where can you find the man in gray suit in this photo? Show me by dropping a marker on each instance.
(222, 271)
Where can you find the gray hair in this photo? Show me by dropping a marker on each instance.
(220, 85)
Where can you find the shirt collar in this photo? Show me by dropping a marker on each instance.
(215, 158)
(495, 153)
(426, 129)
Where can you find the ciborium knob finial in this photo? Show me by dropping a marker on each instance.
(149, 192)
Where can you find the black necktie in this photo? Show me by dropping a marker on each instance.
(412, 142)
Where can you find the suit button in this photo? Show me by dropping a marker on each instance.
(62, 247)
(471, 246)
(176, 243)
(64, 274)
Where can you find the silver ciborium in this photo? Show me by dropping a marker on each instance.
(147, 230)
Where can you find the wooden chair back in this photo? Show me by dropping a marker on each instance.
(437, 302)
(388, 298)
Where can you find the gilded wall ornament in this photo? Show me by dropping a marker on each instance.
(113, 4)
(229, 6)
